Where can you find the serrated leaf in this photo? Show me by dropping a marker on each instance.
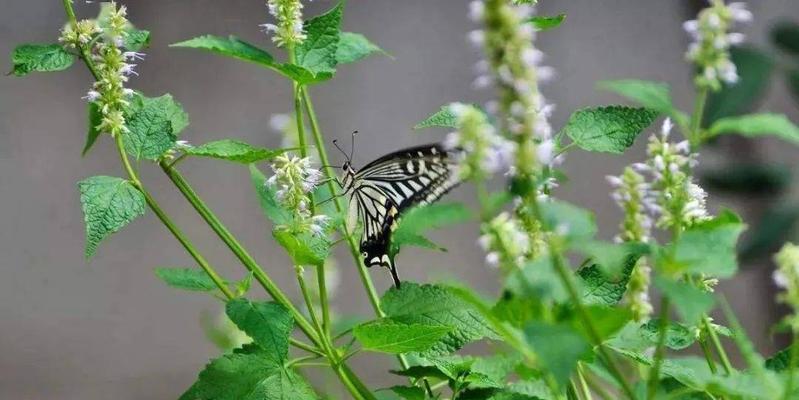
(418, 220)
(234, 150)
(317, 53)
(560, 356)
(756, 125)
(785, 35)
(109, 203)
(609, 129)
(186, 278)
(543, 23)
(678, 336)
(607, 321)
(389, 336)
(29, 58)
(153, 125)
(652, 95)
(137, 39)
(269, 324)
(266, 197)
(567, 220)
(781, 360)
(754, 70)
(239, 49)
(249, 374)
(444, 118)
(707, 247)
(426, 304)
(599, 288)
(95, 118)
(690, 301)
(354, 47)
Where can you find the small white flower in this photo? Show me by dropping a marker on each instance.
(132, 55)
(127, 69)
(532, 57)
(739, 12)
(476, 10)
(485, 242)
(545, 151)
(492, 259)
(482, 82)
(91, 95)
(780, 279)
(477, 37)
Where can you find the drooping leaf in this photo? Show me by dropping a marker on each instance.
(29, 58)
(354, 47)
(652, 95)
(785, 34)
(752, 179)
(754, 70)
(412, 226)
(249, 374)
(95, 118)
(239, 49)
(109, 203)
(544, 23)
(690, 301)
(317, 53)
(389, 336)
(186, 279)
(444, 118)
(707, 247)
(560, 356)
(269, 324)
(234, 150)
(567, 220)
(427, 304)
(609, 129)
(153, 125)
(756, 125)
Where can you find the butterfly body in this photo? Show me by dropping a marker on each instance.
(382, 190)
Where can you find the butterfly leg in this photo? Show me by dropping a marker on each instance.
(394, 275)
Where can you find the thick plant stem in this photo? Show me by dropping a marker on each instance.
(238, 250)
(714, 338)
(660, 349)
(321, 283)
(708, 353)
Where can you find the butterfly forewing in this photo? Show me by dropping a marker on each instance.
(386, 187)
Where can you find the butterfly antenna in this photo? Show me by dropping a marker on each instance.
(352, 145)
(335, 143)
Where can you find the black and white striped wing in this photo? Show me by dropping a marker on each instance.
(392, 184)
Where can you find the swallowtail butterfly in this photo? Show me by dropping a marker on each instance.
(383, 189)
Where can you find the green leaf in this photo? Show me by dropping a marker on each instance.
(785, 34)
(615, 260)
(389, 336)
(567, 220)
(443, 118)
(137, 40)
(266, 197)
(269, 324)
(707, 247)
(754, 69)
(239, 49)
(408, 392)
(537, 280)
(774, 227)
(153, 124)
(234, 150)
(249, 374)
(95, 118)
(678, 336)
(186, 278)
(543, 23)
(426, 304)
(609, 129)
(418, 220)
(109, 203)
(303, 248)
(652, 95)
(756, 125)
(781, 360)
(28, 58)
(598, 288)
(560, 356)
(690, 301)
(607, 321)
(317, 53)
(354, 47)
(748, 178)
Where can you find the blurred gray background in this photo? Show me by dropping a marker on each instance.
(109, 329)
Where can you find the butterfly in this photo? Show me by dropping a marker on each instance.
(382, 190)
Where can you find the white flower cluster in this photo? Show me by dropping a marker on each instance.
(633, 195)
(712, 40)
(513, 65)
(505, 242)
(482, 151)
(786, 276)
(294, 181)
(288, 15)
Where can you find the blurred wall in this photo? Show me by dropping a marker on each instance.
(109, 329)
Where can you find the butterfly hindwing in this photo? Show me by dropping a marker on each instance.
(390, 185)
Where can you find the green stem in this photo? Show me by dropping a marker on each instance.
(583, 385)
(694, 134)
(597, 387)
(708, 353)
(305, 346)
(791, 367)
(306, 295)
(660, 349)
(323, 301)
(714, 338)
(238, 250)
